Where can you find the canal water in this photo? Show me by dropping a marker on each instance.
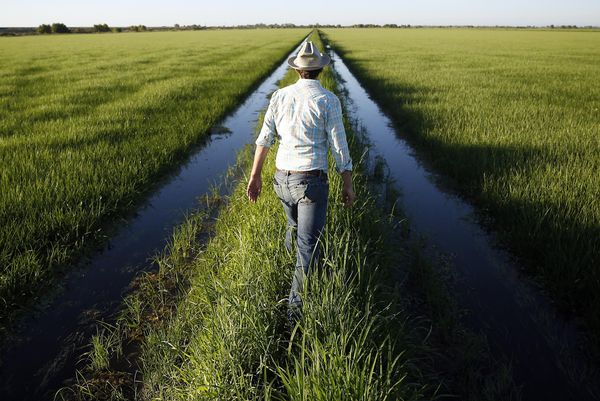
(517, 319)
(49, 342)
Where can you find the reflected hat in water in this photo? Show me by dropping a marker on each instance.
(309, 58)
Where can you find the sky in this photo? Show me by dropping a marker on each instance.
(14, 13)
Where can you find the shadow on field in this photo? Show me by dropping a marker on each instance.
(561, 250)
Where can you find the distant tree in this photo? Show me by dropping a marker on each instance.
(138, 28)
(176, 26)
(117, 30)
(101, 28)
(59, 27)
(44, 28)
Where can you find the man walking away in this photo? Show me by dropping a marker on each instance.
(308, 121)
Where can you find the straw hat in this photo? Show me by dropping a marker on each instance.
(309, 58)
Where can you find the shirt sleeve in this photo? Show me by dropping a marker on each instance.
(336, 135)
(266, 137)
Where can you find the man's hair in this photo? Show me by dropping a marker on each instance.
(309, 74)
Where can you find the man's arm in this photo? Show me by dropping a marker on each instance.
(255, 182)
(336, 135)
(265, 139)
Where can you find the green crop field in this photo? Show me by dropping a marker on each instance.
(211, 323)
(227, 334)
(512, 117)
(87, 122)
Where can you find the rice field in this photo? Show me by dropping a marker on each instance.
(88, 123)
(228, 336)
(211, 324)
(512, 119)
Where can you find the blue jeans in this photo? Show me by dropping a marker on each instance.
(304, 200)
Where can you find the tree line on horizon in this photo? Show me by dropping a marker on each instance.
(61, 28)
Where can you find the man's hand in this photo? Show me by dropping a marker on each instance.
(255, 183)
(254, 188)
(348, 195)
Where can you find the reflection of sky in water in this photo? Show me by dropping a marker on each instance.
(56, 335)
(488, 284)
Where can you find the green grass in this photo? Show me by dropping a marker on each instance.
(512, 118)
(210, 324)
(89, 122)
(226, 338)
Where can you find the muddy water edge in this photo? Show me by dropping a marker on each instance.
(46, 346)
(545, 350)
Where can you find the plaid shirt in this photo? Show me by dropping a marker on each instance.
(308, 121)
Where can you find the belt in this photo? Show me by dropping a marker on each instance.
(317, 173)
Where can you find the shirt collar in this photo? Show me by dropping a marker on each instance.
(308, 82)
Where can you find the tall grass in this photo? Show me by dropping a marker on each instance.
(89, 122)
(228, 337)
(511, 117)
(229, 340)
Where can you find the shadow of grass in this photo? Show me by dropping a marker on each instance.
(555, 244)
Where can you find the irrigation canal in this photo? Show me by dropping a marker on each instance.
(517, 319)
(50, 341)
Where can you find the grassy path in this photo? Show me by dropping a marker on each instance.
(226, 338)
(211, 323)
(511, 117)
(89, 122)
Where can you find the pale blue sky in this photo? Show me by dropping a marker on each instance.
(230, 12)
